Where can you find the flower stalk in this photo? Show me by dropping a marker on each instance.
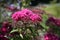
(25, 3)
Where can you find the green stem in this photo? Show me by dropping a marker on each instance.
(25, 3)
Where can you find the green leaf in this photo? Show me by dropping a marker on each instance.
(33, 31)
(18, 38)
(43, 23)
(11, 39)
(21, 36)
(27, 37)
(14, 30)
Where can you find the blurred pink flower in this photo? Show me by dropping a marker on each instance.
(58, 22)
(53, 21)
(15, 16)
(50, 36)
(35, 18)
(25, 15)
(20, 15)
(5, 24)
(46, 38)
(6, 27)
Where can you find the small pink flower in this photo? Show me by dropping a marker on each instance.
(46, 38)
(58, 22)
(23, 16)
(53, 21)
(50, 36)
(35, 18)
(27, 12)
(1, 35)
(16, 15)
(4, 29)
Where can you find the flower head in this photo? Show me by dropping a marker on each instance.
(35, 18)
(53, 21)
(21, 15)
(25, 15)
(6, 27)
(58, 22)
(50, 36)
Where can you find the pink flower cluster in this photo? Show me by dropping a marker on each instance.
(53, 21)
(4, 30)
(25, 15)
(50, 36)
